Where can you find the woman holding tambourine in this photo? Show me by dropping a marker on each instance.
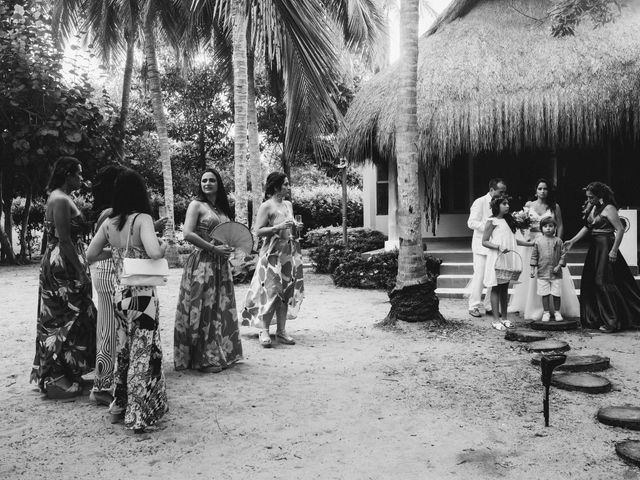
(277, 286)
(206, 336)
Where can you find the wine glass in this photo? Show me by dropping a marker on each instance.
(298, 219)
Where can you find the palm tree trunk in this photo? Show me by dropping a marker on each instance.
(163, 136)
(240, 109)
(126, 91)
(414, 294)
(255, 167)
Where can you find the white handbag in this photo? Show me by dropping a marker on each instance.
(143, 272)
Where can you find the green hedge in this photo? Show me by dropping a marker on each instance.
(321, 206)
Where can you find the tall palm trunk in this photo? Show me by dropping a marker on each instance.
(255, 167)
(163, 137)
(240, 109)
(413, 296)
(126, 92)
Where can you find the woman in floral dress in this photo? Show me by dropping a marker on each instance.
(206, 334)
(66, 335)
(277, 286)
(140, 396)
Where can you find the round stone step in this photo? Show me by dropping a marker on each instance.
(629, 451)
(565, 324)
(549, 345)
(579, 363)
(524, 335)
(581, 382)
(623, 416)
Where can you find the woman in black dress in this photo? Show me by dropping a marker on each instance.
(609, 296)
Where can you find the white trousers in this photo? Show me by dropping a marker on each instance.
(477, 284)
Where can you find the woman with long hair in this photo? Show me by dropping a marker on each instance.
(66, 335)
(206, 334)
(525, 298)
(277, 286)
(609, 296)
(140, 396)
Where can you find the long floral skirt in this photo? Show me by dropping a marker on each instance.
(140, 386)
(66, 332)
(609, 295)
(206, 327)
(278, 280)
(105, 284)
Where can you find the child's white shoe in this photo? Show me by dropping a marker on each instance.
(558, 317)
(498, 326)
(546, 317)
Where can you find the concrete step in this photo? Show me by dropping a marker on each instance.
(464, 268)
(461, 281)
(466, 256)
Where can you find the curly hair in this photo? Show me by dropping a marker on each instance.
(274, 182)
(495, 210)
(603, 192)
(222, 198)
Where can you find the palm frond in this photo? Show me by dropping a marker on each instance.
(64, 19)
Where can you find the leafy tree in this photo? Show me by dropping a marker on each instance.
(41, 115)
(566, 15)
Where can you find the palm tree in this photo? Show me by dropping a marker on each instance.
(114, 24)
(414, 294)
(299, 38)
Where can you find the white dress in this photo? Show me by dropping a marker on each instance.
(505, 238)
(525, 299)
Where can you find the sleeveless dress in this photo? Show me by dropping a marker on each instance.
(525, 298)
(206, 327)
(278, 277)
(609, 295)
(140, 389)
(505, 238)
(66, 332)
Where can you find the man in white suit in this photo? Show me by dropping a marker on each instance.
(480, 212)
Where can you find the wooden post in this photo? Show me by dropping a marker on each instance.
(392, 219)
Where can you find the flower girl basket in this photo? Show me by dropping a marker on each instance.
(143, 272)
(508, 266)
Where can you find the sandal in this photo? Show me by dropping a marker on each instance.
(56, 392)
(285, 339)
(211, 369)
(101, 398)
(604, 329)
(265, 339)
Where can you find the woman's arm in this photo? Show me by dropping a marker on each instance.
(611, 213)
(150, 242)
(61, 209)
(560, 230)
(188, 230)
(263, 229)
(524, 243)
(97, 250)
(569, 244)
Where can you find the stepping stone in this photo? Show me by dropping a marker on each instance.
(548, 346)
(566, 324)
(581, 382)
(524, 335)
(579, 363)
(629, 451)
(625, 417)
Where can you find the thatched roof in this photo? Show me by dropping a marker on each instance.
(491, 77)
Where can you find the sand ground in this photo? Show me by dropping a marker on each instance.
(349, 401)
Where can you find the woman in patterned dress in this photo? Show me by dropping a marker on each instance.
(140, 395)
(66, 334)
(277, 286)
(206, 334)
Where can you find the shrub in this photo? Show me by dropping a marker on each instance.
(360, 239)
(321, 206)
(376, 271)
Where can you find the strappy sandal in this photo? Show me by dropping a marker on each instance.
(56, 392)
(264, 339)
(285, 339)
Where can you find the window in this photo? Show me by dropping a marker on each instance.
(382, 188)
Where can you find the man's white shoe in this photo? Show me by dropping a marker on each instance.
(546, 317)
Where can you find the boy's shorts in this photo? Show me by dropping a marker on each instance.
(549, 287)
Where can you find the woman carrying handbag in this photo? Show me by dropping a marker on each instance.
(140, 394)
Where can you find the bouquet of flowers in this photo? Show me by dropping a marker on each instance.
(521, 219)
